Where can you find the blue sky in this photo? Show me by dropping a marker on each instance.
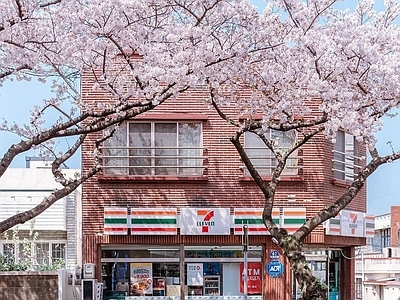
(16, 101)
(17, 98)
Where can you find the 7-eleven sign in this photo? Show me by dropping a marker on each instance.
(352, 223)
(205, 221)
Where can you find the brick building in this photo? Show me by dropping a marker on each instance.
(171, 208)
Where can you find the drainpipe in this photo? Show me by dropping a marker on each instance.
(362, 276)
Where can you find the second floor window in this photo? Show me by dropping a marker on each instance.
(263, 159)
(345, 160)
(385, 238)
(154, 148)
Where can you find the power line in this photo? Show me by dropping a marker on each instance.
(383, 196)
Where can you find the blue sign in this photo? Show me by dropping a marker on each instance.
(275, 268)
(274, 254)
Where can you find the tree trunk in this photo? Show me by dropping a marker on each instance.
(312, 287)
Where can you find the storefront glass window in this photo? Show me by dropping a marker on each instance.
(155, 271)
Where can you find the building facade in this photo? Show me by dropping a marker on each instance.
(54, 235)
(378, 263)
(167, 215)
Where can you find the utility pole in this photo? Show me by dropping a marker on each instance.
(245, 244)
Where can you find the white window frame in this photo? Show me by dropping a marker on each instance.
(17, 256)
(126, 167)
(292, 163)
(345, 156)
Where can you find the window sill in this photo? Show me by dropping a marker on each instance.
(341, 182)
(152, 179)
(285, 178)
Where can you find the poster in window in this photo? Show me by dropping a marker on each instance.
(211, 268)
(195, 274)
(254, 278)
(141, 279)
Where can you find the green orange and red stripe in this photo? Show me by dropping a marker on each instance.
(116, 220)
(369, 226)
(153, 221)
(253, 218)
(334, 225)
(293, 218)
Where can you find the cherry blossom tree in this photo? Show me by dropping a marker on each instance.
(338, 66)
(295, 60)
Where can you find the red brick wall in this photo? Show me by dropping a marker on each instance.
(395, 226)
(224, 187)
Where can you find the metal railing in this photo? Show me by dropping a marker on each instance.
(187, 161)
(345, 166)
(265, 164)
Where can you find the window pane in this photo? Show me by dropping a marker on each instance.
(8, 251)
(258, 153)
(358, 288)
(262, 157)
(338, 156)
(116, 153)
(349, 159)
(284, 140)
(190, 137)
(24, 252)
(345, 160)
(57, 252)
(166, 148)
(42, 253)
(140, 148)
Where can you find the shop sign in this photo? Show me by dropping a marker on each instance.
(141, 279)
(275, 268)
(205, 221)
(254, 278)
(195, 274)
(352, 223)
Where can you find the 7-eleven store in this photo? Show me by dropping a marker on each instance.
(198, 253)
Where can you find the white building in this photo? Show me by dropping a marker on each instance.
(58, 228)
(378, 263)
